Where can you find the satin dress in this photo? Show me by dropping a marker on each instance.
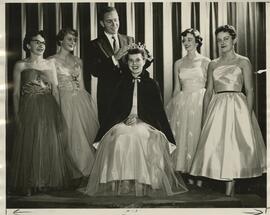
(134, 160)
(184, 113)
(80, 114)
(231, 144)
(39, 158)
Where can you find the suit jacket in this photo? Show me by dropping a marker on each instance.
(100, 65)
(150, 105)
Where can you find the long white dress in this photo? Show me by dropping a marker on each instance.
(231, 144)
(184, 113)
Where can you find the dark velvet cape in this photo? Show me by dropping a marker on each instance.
(150, 105)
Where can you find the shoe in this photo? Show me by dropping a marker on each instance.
(190, 181)
(199, 183)
(125, 187)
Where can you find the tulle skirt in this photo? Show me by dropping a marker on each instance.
(184, 113)
(39, 159)
(231, 144)
(80, 114)
(133, 160)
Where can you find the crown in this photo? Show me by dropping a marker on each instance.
(137, 46)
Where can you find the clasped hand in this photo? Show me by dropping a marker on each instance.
(132, 119)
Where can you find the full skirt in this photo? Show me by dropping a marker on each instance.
(184, 113)
(80, 114)
(133, 160)
(231, 144)
(39, 159)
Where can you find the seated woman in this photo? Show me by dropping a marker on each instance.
(133, 150)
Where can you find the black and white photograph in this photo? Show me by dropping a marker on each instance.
(134, 107)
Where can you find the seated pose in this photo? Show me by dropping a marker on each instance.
(133, 152)
(231, 144)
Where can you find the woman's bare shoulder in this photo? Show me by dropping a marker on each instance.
(20, 65)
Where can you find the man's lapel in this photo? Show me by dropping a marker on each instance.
(122, 40)
(105, 46)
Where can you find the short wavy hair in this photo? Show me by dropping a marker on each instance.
(195, 33)
(131, 51)
(63, 32)
(29, 36)
(227, 28)
(104, 10)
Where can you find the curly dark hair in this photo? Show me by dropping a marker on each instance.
(63, 32)
(195, 33)
(29, 36)
(131, 51)
(227, 28)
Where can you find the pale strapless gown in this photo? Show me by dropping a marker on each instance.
(80, 114)
(231, 144)
(184, 113)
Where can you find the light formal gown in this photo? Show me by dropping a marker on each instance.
(80, 114)
(134, 160)
(231, 144)
(184, 113)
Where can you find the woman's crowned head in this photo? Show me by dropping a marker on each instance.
(135, 57)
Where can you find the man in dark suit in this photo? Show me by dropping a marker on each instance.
(105, 58)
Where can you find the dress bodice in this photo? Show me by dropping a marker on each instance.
(228, 78)
(192, 79)
(34, 81)
(68, 77)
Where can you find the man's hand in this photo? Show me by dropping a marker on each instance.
(121, 52)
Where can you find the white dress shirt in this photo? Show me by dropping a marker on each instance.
(109, 36)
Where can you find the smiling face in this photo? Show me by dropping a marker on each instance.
(37, 45)
(69, 42)
(135, 64)
(110, 22)
(189, 42)
(225, 42)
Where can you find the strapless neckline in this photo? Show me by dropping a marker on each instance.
(228, 78)
(192, 79)
(191, 68)
(227, 66)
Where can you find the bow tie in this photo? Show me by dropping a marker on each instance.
(138, 79)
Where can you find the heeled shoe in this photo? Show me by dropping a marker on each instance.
(199, 183)
(124, 187)
(191, 181)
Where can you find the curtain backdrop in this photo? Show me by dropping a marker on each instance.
(158, 25)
